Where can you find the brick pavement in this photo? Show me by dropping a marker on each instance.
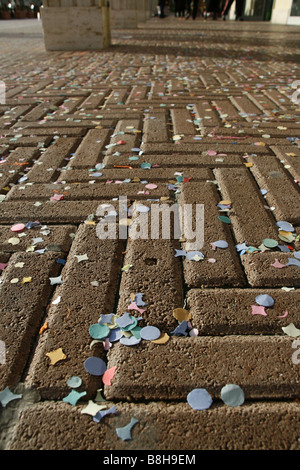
(175, 112)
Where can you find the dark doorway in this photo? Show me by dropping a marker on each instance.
(258, 10)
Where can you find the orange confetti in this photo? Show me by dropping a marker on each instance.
(44, 327)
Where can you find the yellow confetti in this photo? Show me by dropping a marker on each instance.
(163, 339)
(26, 280)
(248, 164)
(55, 356)
(181, 314)
(13, 241)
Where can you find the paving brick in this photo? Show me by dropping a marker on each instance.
(160, 427)
(180, 161)
(47, 212)
(156, 273)
(251, 221)
(90, 150)
(290, 158)
(226, 269)
(282, 192)
(229, 311)
(85, 191)
(50, 238)
(261, 365)
(70, 319)
(54, 157)
(261, 272)
(22, 309)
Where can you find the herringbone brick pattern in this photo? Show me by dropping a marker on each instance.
(177, 113)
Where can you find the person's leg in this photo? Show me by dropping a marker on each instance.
(195, 9)
(227, 7)
(239, 9)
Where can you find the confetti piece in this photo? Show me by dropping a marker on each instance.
(98, 331)
(108, 375)
(284, 315)
(126, 268)
(56, 356)
(15, 280)
(264, 300)
(26, 280)
(57, 197)
(258, 310)
(180, 253)
(97, 418)
(180, 329)
(220, 244)
(151, 186)
(232, 395)
(74, 381)
(92, 408)
(199, 399)
(106, 318)
(224, 219)
(14, 241)
(55, 280)
(44, 327)
(291, 330)
(7, 396)
(73, 397)
(99, 396)
(124, 433)
(277, 264)
(56, 301)
(150, 333)
(133, 306)
(2, 266)
(163, 339)
(132, 341)
(17, 228)
(195, 256)
(293, 262)
(285, 226)
(81, 258)
(181, 314)
(95, 366)
(270, 243)
(125, 320)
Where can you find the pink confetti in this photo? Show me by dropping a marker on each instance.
(133, 306)
(121, 142)
(212, 260)
(106, 344)
(2, 266)
(285, 315)
(17, 228)
(108, 375)
(258, 310)
(277, 264)
(57, 197)
(151, 186)
(211, 153)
